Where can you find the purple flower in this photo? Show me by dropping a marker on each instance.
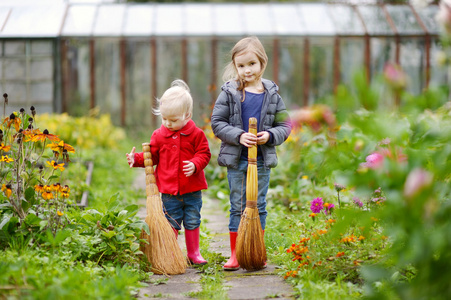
(316, 205)
(357, 201)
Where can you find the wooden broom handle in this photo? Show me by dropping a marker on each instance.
(151, 182)
(252, 177)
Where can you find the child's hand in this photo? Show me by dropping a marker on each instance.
(131, 157)
(248, 139)
(189, 168)
(262, 137)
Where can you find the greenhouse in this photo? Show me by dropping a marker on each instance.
(73, 56)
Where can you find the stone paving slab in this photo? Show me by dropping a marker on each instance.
(241, 284)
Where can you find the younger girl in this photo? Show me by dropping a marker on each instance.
(180, 152)
(247, 95)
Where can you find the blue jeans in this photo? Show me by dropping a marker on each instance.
(237, 185)
(184, 209)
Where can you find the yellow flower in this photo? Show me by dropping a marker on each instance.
(59, 147)
(59, 213)
(305, 177)
(4, 148)
(6, 159)
(47, 194)
(55, 165)
(65, 191)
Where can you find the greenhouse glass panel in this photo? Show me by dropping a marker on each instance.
(427, 15)
(199, 78)
(404, 19)
(42, 69)
(78, 80)
(412, 56)
(169, 65)
(109, 20)
(107, 73)
(375, 20)
(291, 71)
(321, 68)
(139, 20)
(34, 21)
(228, 20)
(262, 21)
(169, 20)
(79, 20)
(139, 99)
(224, 45)
(346, 20)
(199, 19)
(440, 73)
(316, 19)
(268, 44)
(284, 16)
(382, 51)
(14, 48)
(4, 12)
(39, 47)
(351, 58)
(14, 69)
(42, 93)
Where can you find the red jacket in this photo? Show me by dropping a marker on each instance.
(169, 149)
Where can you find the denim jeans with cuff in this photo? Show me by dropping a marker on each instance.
(184, 209)
(237, 185)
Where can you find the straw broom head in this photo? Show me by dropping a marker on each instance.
(163, 251)
(250, 244)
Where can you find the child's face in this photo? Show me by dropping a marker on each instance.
(173, 121)
(248, 67)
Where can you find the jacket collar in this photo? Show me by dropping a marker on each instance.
(230, 86)
(186, 130)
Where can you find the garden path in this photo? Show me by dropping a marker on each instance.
(240, 284)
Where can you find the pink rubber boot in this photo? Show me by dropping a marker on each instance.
(192, 247)
(232, 264)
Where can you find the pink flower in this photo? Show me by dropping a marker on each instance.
(316, 205)
(395, 76)
(417, 180)
(374, 161)
(357, 201)
(329, 207)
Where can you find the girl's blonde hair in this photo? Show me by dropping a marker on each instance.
(177, 99)
(247, 44)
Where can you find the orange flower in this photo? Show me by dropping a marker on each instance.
(45, 135)
(4, 148)
(30, 133)
(6, 188)
(59, 213)
(55, 165)
(39, 188)
(13, 119)
(340, 254)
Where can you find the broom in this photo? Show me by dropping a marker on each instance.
(250, 244)
(163, 251)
